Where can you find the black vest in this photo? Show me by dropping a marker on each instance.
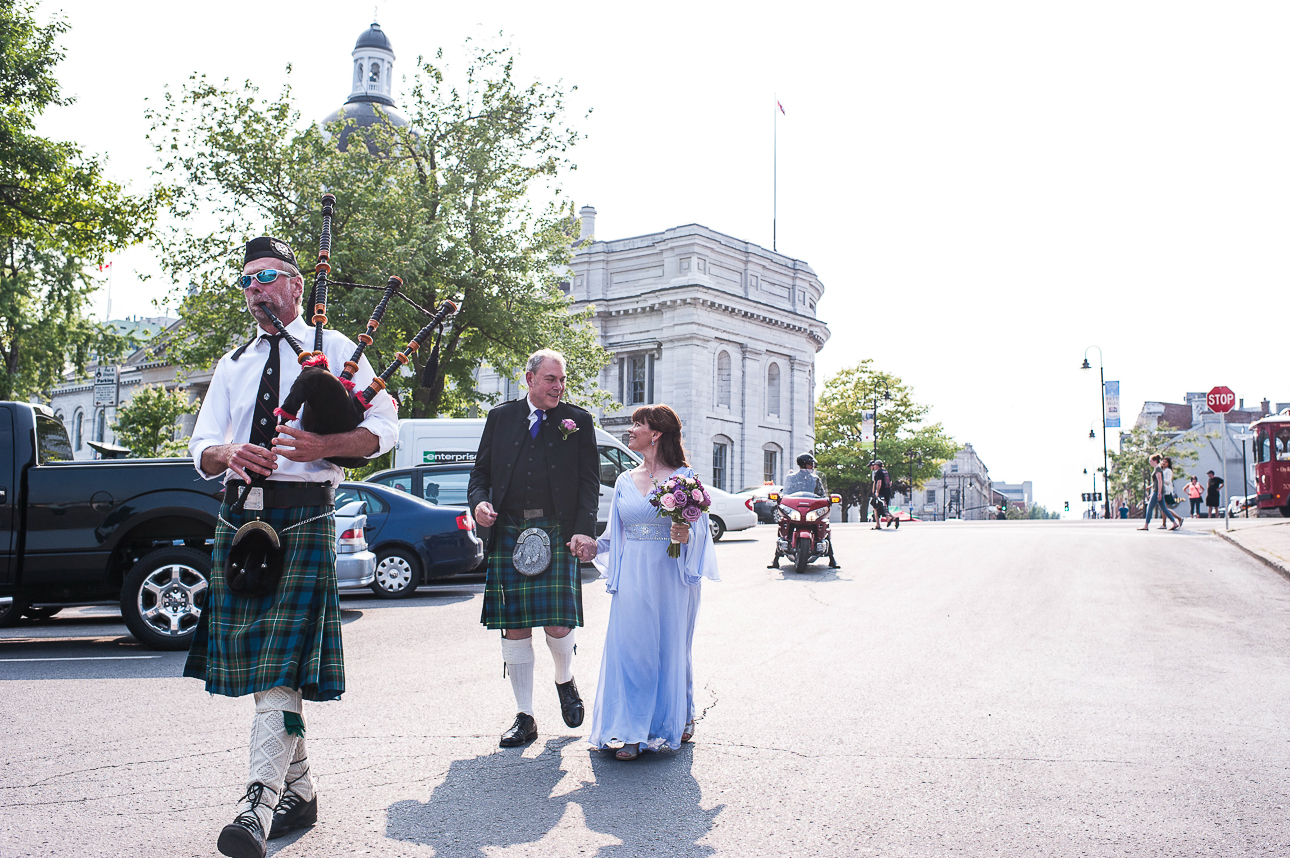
(531, 484)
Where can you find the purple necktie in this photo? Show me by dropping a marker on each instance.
(537, 424)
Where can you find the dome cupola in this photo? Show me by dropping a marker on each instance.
(373, 67)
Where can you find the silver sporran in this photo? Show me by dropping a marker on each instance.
(532, 553)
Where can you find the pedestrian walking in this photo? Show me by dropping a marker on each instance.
(279, 642)
(1194, 494)
(645, 697)
(1212, 499)
(880, 494)
(1168, 499)
(1155, 492)
(537, 478)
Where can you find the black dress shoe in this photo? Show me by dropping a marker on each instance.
(291, 813)
(570, 703)
(523, 731)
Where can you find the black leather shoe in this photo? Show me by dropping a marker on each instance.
(570, 703)
(291, 813)
(243, 837)
(523, 731)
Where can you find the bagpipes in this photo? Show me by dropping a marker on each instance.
(328, 404)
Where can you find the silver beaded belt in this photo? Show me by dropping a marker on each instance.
(649, 531)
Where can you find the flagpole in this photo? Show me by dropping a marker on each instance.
(774, 172)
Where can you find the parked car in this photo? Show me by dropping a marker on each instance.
(355, 564)
(762, 505)
(413, 539)
(1237, 505)
(729, 512)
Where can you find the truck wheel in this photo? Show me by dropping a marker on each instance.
(10, 615)
(718, 528)
(163, 596)
(397, 574)
(1285, 511)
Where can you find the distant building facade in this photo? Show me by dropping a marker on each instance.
(1021, 495)
(963, 490)
(722, 330)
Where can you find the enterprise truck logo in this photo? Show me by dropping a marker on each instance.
(430, 457)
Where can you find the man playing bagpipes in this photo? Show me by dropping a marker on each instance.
(271, 624)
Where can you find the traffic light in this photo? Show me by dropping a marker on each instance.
(1068, 506)
(1004, 505)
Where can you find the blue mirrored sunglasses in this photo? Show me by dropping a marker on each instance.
(268, 275)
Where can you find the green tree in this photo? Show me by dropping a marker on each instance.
(462, 203)
(1130, 469)
(149, 422)
(905, 443)
(58, 215)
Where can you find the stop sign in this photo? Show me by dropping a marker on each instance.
(1221, 400)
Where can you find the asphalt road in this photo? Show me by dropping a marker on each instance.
(1000, 688)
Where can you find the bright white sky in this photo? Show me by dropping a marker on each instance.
(985, 189)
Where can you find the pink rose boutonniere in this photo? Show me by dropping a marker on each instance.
(567, 428)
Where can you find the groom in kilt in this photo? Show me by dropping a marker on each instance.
(536, 481)
(270, 627)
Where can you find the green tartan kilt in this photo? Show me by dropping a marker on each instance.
(515, 601)
(291, 637)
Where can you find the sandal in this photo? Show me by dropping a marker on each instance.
(628, 752)
(687, 734)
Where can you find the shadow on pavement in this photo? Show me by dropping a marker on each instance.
(503, 799)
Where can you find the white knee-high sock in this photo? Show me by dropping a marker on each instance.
(562, 651)
(298, 779)
(518, 656)
(272, 748)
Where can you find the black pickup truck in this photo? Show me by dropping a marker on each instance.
(134, 532)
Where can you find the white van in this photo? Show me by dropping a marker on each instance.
(444, 449)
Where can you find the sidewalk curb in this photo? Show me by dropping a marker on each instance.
(1285, 573)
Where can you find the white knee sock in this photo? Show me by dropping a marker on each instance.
(298, 779)
(272, 749)
(562, 652)
(518, 656)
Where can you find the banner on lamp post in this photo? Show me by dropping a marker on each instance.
(866, 427)
(1112, 405)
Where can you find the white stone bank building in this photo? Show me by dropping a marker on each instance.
(722, 330)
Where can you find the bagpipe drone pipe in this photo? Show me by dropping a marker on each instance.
(328, 404)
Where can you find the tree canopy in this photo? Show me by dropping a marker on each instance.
(148, 423)
(59, 215)
(461, 203)
(905, 442)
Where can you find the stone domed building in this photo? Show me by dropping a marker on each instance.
(371, 100)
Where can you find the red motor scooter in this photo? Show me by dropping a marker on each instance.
(803, 529)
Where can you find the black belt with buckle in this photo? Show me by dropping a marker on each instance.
(280, 494)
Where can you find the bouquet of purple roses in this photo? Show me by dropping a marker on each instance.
(682, 499)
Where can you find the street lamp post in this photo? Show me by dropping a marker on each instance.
(886, 395)
(1106, 489)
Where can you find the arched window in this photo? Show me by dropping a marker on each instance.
(78, 429)
(772, 389)
(721, 460)
(723, 378)
(100, 425)
(358, 73)
(772, 457)
(375, 77)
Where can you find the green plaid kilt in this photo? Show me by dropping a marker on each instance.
(245, 644)
(515, 601)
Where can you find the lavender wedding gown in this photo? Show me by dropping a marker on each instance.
(646, 690)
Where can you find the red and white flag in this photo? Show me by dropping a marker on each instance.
(781, 108)
(105, 266)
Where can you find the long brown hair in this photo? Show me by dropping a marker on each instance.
(660, 418)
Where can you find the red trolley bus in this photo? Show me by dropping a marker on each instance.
(1272, 461)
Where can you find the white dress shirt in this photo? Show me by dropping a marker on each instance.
(225, 416)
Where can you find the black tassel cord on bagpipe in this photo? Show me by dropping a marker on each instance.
(327, 404)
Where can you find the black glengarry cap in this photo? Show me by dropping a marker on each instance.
(268, 246)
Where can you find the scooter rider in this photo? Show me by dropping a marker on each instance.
(804, 480)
